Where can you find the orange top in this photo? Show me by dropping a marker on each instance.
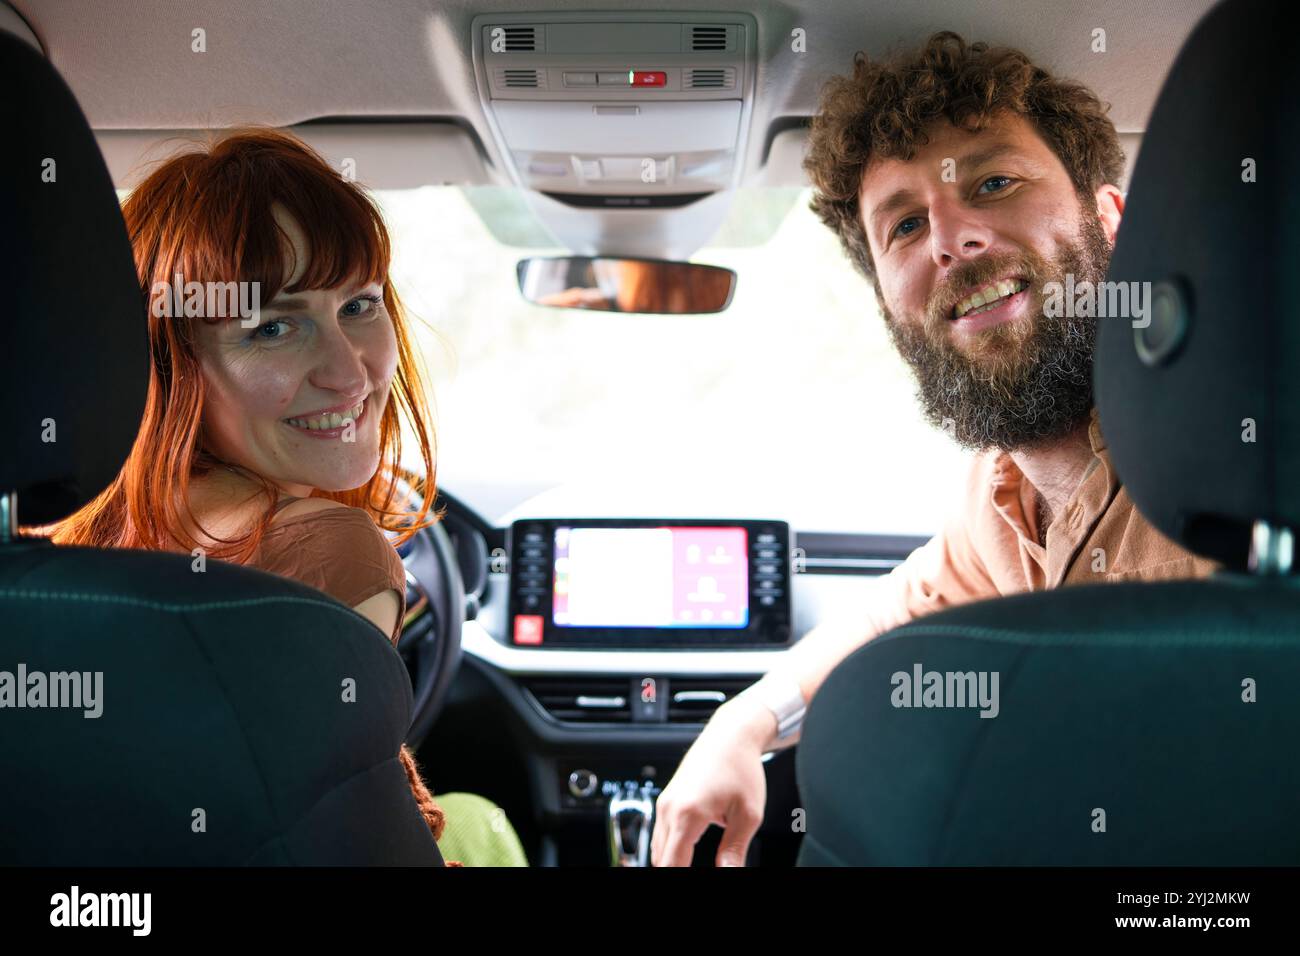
(340, 551)
(991, 545)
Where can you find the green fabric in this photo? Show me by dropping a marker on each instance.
(477, 832)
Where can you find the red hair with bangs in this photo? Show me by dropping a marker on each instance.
(207, 216)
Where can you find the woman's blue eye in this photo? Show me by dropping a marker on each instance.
(364, 304)
(1005, 180)
(261, 331)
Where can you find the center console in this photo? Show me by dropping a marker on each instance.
(617, 639)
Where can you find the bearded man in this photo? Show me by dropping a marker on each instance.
(969, 186)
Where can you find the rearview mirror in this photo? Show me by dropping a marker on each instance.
(626, 285)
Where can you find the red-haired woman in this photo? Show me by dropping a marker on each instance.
(282, 368)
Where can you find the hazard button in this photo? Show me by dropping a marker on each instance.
(528, 629)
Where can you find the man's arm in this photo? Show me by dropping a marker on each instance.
(721, 780)
(908, 591)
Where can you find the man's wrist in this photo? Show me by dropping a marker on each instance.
(775, 707)
(747, 718)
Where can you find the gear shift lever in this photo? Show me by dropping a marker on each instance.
(631, 813)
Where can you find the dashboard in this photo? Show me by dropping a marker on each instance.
(595, 649)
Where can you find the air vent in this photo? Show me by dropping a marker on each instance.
(521, 79)
(709, 79)
(708, 39)
(583, 701)
(513, 39)
(694, 699)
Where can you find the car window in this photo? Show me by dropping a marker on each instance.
(791, 404)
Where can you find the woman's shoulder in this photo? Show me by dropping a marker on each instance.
(312, 515)
(333, 547)
(299, 508)
(330, 525)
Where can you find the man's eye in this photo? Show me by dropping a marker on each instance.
(900, 231)
(362, 305)
(1004, 180)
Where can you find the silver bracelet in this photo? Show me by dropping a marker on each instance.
(784, 699)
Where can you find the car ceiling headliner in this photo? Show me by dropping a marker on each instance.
(284, 62)
(358, 63)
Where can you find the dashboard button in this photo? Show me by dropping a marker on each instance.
(582, 783)
(528, 629)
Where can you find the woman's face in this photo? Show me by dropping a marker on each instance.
(282, 398)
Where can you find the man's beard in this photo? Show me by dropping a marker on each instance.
(1019, 384)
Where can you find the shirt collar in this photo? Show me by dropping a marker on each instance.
(1092, 496)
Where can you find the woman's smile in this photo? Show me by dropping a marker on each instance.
(328, 423)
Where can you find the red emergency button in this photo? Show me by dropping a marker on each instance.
(528, 629)
(649, 77)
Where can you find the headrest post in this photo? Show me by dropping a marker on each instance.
(8, 517)
(1272, 550)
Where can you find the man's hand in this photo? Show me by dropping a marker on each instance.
(720, 781)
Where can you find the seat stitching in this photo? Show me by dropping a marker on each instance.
(169, 606)
(1218, 636)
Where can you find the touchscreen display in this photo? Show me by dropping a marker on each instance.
(651, 577)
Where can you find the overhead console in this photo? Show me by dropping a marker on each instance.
(610, 112)
(620, 583)
(634, 105)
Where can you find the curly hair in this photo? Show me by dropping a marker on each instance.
(883, 109)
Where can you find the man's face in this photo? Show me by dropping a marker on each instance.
(991, 212)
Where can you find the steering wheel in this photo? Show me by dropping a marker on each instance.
(430, 641)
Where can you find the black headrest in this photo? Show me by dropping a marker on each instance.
(75, 356)
(1201, 409)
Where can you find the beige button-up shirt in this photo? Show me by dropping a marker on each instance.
(991, 545)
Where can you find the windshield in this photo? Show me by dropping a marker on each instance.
(791, 404)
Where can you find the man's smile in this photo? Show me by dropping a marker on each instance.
(987, 296)
(990, 304)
